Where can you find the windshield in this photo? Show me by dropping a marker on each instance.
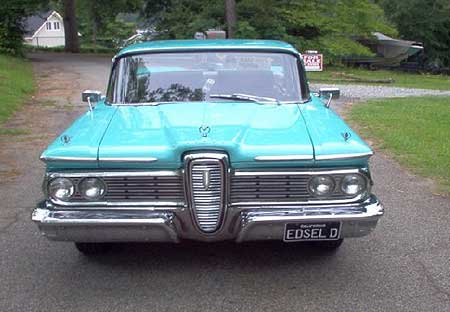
(205, 76)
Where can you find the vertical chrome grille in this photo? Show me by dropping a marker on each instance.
(206, 177)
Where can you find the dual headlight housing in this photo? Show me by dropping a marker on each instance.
(352, 184)
(64, 189)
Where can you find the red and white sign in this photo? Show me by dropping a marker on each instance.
(313, 61)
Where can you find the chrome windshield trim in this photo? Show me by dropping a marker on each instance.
(209, 101)
(128, 159)
(68, 159)
(233, 48)
(284, 158)
(344, 156)
(101, 174)
(294, 172)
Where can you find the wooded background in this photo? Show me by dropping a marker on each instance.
(330, 26)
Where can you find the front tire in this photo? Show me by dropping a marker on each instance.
(91, 249)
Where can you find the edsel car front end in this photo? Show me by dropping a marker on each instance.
(207, 140)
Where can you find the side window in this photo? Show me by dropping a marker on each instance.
(48, 25)
(56, 26)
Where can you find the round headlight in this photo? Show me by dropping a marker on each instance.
(322, 185)
(353, 184)
(61, 189)
(92, 188)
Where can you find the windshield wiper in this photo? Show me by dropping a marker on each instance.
(244, 97)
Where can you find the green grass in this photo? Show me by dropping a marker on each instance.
(16, 84)
(399, 79)
(14, 132)
(415, 131)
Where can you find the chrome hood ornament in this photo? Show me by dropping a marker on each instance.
(346, 136)
(204, 131)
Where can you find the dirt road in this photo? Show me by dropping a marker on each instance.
(403, 266)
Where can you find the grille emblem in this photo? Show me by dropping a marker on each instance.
(206, 179)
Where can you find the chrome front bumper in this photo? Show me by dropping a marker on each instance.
(125, 224)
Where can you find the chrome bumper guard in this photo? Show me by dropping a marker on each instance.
(242, 224)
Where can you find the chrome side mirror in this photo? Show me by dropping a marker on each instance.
(329, 94)
(91, 96)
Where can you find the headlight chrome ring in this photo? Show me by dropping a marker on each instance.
(322, 185)
(353, 184)
(61, 189)
(92, 188)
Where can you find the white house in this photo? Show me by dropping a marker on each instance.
(45, 30)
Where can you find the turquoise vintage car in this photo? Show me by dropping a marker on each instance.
(207, 140)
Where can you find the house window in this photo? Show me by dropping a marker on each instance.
(56, 26)
(49, 25)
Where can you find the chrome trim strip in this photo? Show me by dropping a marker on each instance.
(102, 174)
(284, 158)
(128, 159)
(68, 159)
(293, 172)
(236, 48)
(79, 218)
(201, 102)
(107, 204)
(318, 201)
(344, 156)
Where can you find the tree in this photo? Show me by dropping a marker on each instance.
(181, 19)
(230, 13)
(12, 15)
(99, 16)
(72, 43)
(331, 26)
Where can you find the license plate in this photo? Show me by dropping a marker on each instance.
(295, 232)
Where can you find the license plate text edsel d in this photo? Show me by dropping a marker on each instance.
(312, 231)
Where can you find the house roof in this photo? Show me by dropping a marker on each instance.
(34, 22)
(209, 44)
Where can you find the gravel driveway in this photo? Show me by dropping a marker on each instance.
(372, 92)
(402, 266)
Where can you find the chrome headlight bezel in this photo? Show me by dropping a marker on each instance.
(52, 188)
(316, 181)
(87, 183)
(362, 182)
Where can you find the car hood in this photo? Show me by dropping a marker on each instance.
(335, 143)
(253, 135)
(162, 134)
